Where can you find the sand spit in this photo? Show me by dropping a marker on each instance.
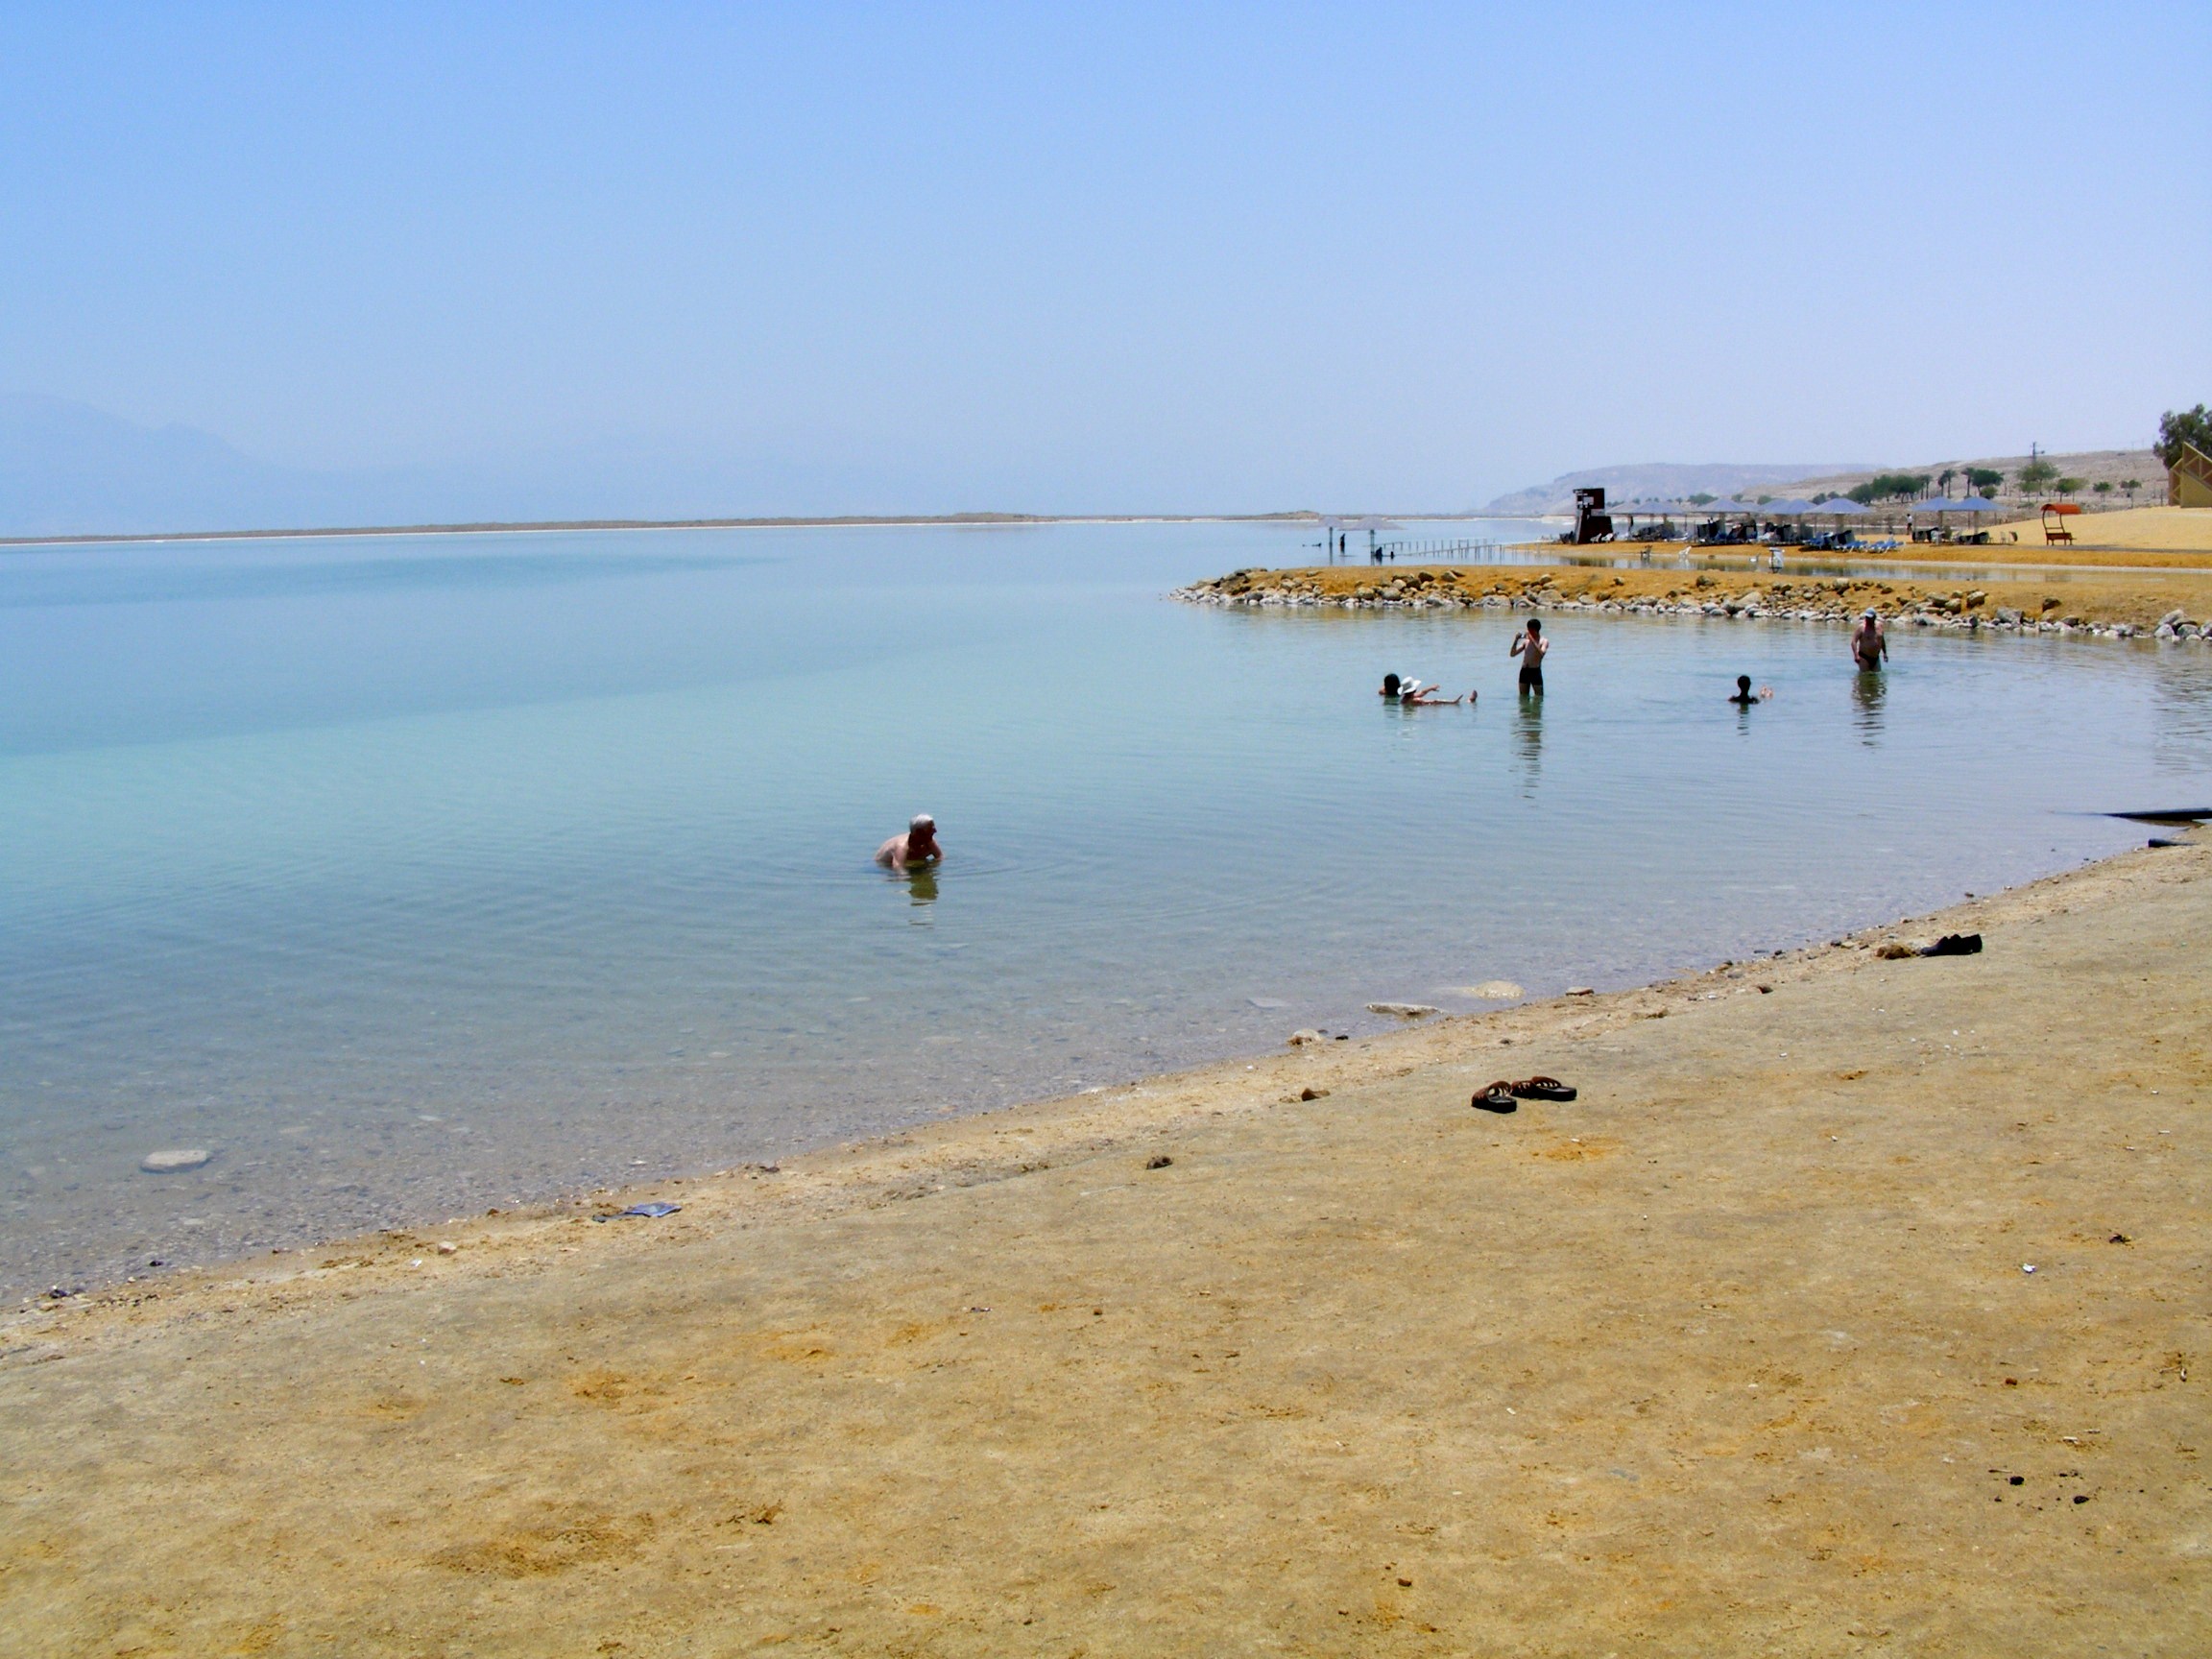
(1857, 1306)
(2119, 603)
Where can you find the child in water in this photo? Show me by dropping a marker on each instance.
(1743, 695)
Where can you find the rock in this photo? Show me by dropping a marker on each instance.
(1313, 1093)
(1299, 1039)
(1158, 1161)
(2010, 618)
(2165, 631)
(1403, 1010)
(1497, 991)
(175, 1160)
(2174, 618)
(446, 1246)
(1581, 991)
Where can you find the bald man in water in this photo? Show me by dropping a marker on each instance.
(918, 846)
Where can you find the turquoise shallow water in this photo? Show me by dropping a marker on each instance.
(418, 875)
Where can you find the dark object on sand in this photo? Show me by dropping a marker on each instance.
(1158, 1161)
(2120, 1239)
(1498, 1097)
(652, 1211)
(1541, 1089)
(2165, 841)
(2179, 816)
(1955, 945)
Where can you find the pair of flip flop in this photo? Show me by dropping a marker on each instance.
(1503, 1097)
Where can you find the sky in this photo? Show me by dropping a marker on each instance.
(1230, 258)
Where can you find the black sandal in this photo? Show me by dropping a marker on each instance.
(1498, 1097)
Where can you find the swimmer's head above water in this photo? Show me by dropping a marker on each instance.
(918, 846)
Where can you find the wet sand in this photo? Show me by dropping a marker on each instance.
(1738, 1352)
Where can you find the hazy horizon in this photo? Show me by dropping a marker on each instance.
(665, 263)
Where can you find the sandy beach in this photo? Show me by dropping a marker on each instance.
(1855, 1306)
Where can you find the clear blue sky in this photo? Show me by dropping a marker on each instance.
(1101, 257)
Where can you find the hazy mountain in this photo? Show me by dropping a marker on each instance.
(1658, 480)
(65, 467)
(69, 469)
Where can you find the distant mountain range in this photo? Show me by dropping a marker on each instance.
(1657, 480)
(69, 469)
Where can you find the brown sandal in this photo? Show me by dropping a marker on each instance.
(1498, 1097)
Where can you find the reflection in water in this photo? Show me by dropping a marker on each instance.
(2180, 710)
(921, 883)
(1529, 732)
(1868, 690)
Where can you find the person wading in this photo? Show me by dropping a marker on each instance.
(1532, 648)
(1869, 644)
(918, 846)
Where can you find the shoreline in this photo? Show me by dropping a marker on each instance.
(2173, 602)
(837, 1165)
(783, 1397)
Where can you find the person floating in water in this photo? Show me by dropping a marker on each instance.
(1869, 644)
(1393, 688)
(918, 846)
(1414, 695)
(1745, 695)
(1532, 648)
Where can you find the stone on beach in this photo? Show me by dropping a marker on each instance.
(1403, 1010)
(1494, 991)
(1299, 1039)
(175, 1160)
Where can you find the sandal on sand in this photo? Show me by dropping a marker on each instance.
(1498, 1097)
(1541, 1089)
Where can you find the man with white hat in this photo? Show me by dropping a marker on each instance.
(1869, 644)
(918, 846)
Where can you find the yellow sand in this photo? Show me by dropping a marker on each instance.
(1737, 1354)
(2133, 529)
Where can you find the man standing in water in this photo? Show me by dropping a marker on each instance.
(918, 846)
(1532, 648)
(1869, 644)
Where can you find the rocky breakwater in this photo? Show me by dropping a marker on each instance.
(2120, 608)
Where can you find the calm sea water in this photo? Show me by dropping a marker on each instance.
(416, 876)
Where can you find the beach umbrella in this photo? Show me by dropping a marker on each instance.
(1841, 506)
(1790, 508)
(1976, 504)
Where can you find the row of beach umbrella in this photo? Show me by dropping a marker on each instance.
(1835, 507)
